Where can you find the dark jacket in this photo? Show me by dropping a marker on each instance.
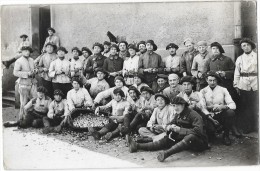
(188, 59)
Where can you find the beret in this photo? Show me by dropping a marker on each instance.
(58, 92)
(172, 45)
(167, 100)
(188, 40)
(221, 50)
(27, 48)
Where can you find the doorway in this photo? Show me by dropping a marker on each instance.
(44, 23)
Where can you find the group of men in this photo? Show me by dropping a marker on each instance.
(175, 101)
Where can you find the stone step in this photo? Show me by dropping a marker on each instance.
(10, 93)
(8, 100)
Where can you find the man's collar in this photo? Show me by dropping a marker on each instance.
(217, 57)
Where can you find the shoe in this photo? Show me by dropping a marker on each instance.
(132, 145)
(96, 135)
(108, 136)
(47, 130)
(226, 140)
(236, 133)
(11, 124)
(161, 156)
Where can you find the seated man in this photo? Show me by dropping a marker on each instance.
(98, 83)
(102, 96)
(185, 132)
(55, 114)
(120, 108)
(78, 97)
(220, 104)
(162, 115)
(174, 89)
(161, 84)
(145, 109)
(36, 109)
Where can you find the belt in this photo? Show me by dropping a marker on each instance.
(248, 74)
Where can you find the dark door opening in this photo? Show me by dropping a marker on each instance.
(44, 23)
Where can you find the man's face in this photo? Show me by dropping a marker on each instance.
(100, 75)
(132, 52)
(61, 53)
(202, 49)
(113, 51)
(142, 48)
(106, 48)
(212, 81)
(187, 86)
(96, 50)
(117, 97)
(26, 53)
(189, 46)
(85, 54)
(122, 47)
(132, 94)
(146, 95)
(50, 32)
(75, 53)
(247, 48)
(119, 83)
(161, 82)
(149, 46)
(173, 82)
(57, 97)
(137, 81)
(172, 51)
(160, 102)
(215, 50)
(178, 108)
(49, 49)
(75, 85)
(40, 95)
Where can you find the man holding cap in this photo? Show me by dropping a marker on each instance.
(51, 39)
(246, 84)
(188, 55)
(173, 62)
(198, 68)
(150, 64)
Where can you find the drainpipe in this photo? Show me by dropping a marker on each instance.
(237, 28)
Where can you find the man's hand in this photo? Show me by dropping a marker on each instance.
(58, 72)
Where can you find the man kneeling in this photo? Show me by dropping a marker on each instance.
(55, 119)
(184, 132)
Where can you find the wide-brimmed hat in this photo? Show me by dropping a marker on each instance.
(27, 48)
(115, 46)
(51, 44)
(77, 49)
(148, 89)
(179, 100)
(213, 74)
(42, 89)
(188, 78)
(119, 91)
(58, 92)
(132, 46)
(167, 100)
(172, 45)
(99, 69)
(99, 45)
(62, 49)
(139, 43)
(152, 42)
(221, 50)
(23, 35)
(247, 40)
(52, 29)
(87, 50)
(135, 89)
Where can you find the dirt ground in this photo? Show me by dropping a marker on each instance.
(243, 151)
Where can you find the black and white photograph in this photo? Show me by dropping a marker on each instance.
(129, 84)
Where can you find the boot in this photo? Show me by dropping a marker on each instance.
(47, 130)
(144, 139)
(151, 146)
(98, 134)
(11, 124)
(111, 135)
(225, 139)
(180, 146)
(8, 63)
(235, 132)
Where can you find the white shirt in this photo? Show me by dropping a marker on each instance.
(131, 64)
(172, 62)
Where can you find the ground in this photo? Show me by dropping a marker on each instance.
(243, 151)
